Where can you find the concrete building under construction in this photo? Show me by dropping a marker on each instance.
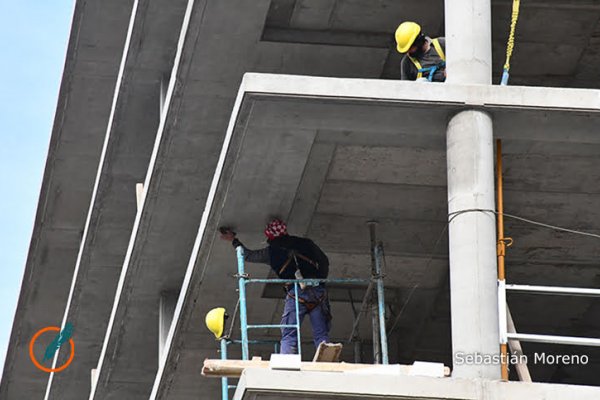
(454, 200)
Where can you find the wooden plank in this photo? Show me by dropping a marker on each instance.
(328, 352)
(234, 368)
(515, 347)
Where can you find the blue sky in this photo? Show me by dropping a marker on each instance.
(34, 35)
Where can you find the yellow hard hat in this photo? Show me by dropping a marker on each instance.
(215, 321)
(406, 34)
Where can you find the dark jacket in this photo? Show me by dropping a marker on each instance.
(408, 70)
(287, 253)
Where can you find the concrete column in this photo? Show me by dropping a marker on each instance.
(166, 310)
(472, 242)
(469, 41)
(470, 154)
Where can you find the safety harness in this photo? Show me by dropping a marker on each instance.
(431, 70)
(294, 255)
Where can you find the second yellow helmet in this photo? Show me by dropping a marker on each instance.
(215, 321)
(406, 34)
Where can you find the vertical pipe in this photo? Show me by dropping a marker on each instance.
(472, 242)
(357, 351)
(242, 292)
(224, 381)
(298, 318)
(501, 251)
(381, 304)
(374, 307)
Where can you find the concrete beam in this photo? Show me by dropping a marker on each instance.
(260, 384)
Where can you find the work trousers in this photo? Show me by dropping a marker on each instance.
(320, 316)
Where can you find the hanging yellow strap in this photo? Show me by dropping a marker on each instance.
(418, 65)
(511, 39)
(438, 48)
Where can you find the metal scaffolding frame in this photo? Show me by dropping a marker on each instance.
(375, 285)
(503, 287)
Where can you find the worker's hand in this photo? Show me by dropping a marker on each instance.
(227, 234)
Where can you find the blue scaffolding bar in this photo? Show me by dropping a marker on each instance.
(242, 289)
(381, 304)
(224, 380)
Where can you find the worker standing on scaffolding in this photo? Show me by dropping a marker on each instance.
(293, 257)
(424, 57)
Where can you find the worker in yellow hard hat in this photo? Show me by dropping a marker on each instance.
(215, 321)
(424, 58)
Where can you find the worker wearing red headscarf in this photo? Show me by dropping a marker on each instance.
(293, 257)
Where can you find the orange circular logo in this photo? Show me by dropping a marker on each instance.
(32, 356)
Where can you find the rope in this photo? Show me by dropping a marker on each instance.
(237, 306)
(529, 221)
(511, 40)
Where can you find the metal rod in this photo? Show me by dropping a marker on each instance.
(501, 251)
(381, 304)
(224, 382)
(363, 309)
(554, 290)
(374, 306)
(270, 326)
(255, 341)
(296, 301)
(314, 281)
(569, 340)
(357, 351)
(242, 292)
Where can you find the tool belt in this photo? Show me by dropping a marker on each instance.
(310, 305)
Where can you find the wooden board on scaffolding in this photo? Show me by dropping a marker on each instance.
(328, 352)
(234, 368)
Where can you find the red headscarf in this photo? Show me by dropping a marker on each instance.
(275, 229)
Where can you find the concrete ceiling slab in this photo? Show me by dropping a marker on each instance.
(301, 106)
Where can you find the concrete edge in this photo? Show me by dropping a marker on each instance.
(587, 100)
(264, 380)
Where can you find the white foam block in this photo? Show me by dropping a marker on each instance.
(285, 361)
(422, 368)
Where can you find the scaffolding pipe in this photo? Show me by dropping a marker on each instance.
(374, 305)
(363, 309)
(296, 301)
(308, 281)
(241, 275)
(501, 251)
(552, 339)
(224, 382)
(381, 304)
(553, 290)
